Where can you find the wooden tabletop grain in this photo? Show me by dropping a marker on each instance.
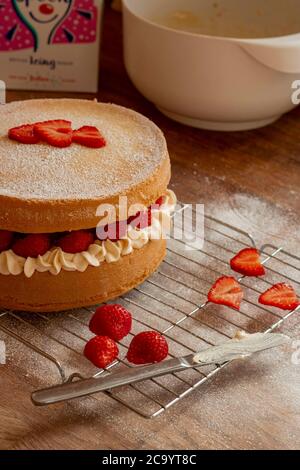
(249, 179)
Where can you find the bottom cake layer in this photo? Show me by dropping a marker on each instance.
(44, 292)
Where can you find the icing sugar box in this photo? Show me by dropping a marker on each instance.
(50, 44)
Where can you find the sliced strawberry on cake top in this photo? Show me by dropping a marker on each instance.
(57, 133)
(282, 296)
(24, 134)
(248, 263)
(89, 136)
(226, 291)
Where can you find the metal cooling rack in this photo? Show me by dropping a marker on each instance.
(173, 301)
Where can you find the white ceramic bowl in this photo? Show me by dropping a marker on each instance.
(215, 82)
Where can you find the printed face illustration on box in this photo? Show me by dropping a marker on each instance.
(42, 17)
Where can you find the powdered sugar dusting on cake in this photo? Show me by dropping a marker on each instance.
(135, 148)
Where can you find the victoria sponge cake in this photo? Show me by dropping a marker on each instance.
(66, 169)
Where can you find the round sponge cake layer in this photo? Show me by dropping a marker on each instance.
(49, 189)
(47, 293)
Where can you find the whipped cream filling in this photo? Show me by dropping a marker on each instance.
(56, 260)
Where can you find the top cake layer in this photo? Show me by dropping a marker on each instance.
(48, 189)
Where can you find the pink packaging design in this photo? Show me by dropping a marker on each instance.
(50, 44)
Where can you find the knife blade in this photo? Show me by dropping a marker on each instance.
(217, 355)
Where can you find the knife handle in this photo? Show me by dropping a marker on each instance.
(86, 387)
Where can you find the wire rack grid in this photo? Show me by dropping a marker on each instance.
(174, 302)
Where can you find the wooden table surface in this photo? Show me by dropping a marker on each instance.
(249, 179)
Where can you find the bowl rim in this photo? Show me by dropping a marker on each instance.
(265, 40)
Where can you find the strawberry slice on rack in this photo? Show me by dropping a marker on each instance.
(89, 136)
(24, 134)
(282, 296)
(57, 133)
(226, 291)
(248, 263)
